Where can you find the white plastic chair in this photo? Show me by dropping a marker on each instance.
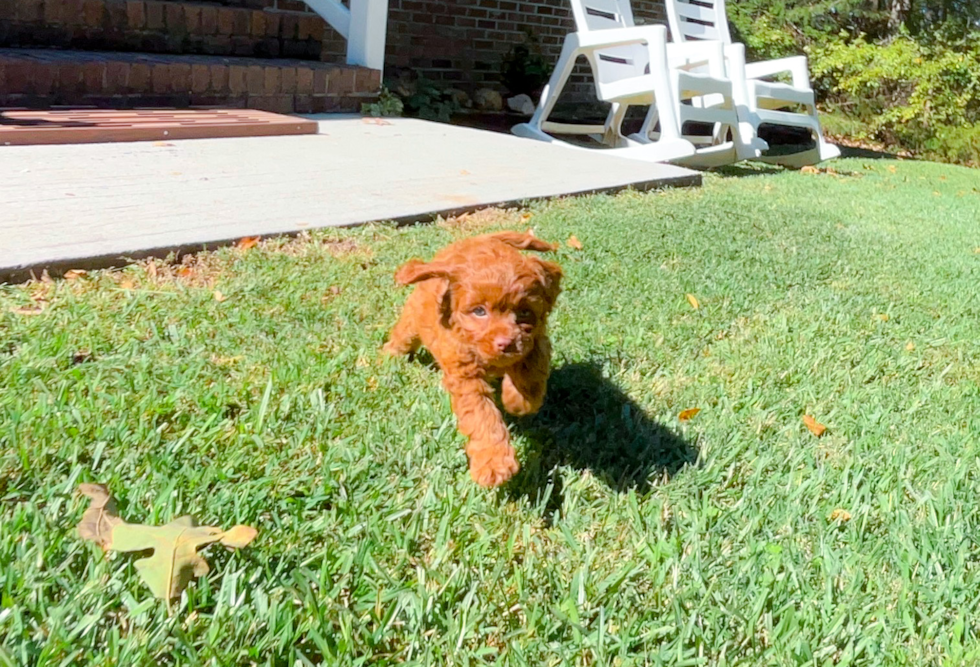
(630, 67)
(759, 100)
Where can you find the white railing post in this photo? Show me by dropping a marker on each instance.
(366, 38)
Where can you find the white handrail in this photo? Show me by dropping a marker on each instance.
(364, 26)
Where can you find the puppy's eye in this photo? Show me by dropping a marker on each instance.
(525, 315)
(479, 311)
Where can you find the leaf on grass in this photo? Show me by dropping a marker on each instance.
(35, 309)
(691, 299)
(127, 283)
(910, 346)
(174, 561)
(184, 271)
(839, 514)
(525, 217)
(815, 427)
(690, 413)
(248, 242)
(976, 251)
(75, 274)
(892, 168)
(151, 269)
(219, 297)
(101, 516)
(573, 242)
(809, 169)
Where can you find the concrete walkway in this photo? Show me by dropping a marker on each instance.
(86, 206)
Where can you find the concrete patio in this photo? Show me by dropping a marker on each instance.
(86, 206)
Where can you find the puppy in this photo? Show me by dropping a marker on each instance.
(481, 308)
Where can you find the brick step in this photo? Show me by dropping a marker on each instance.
(38, 78)
(158, 26)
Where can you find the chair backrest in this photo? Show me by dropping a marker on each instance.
(618, 62)
(693, 20)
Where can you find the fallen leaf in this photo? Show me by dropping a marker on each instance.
(883, 317)
(463, 172)
(573, 242)
(81, 357)
(248, 242)
(525, 217)
(831, 171)
(815, 427)
(184, 271)
(976, 251)
(151, 269)
(219, 297)
(690, 413)
(910, 346)
(839, 514)
(162, 144)
(101, 516)
(75, 274)
(691, 299)
(892, 168)
(127, 283)
(374, 121)
(809, 170)
(174, 561)
(36, 309)
(937, 193)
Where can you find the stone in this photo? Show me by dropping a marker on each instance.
(487, 99)
(522, 104)
(461, 98)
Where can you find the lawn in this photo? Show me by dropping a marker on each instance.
(245, 386)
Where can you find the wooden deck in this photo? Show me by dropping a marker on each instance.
(94, 205)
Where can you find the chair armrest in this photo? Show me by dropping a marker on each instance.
(597, 39)
(796, 66)
(708, 53)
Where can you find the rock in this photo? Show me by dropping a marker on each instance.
(487, 99)
(461, 98)
(522, 104)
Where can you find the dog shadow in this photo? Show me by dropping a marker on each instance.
(588, 423)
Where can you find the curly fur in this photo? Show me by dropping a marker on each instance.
(481, 308)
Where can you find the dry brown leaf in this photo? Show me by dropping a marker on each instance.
(219, 297)
(910, 346)
(815, 427)
(691, 299)
(370, 120)
(525, 217)
(892, 168)
(101, 516)
(937, 193)
(883, 317)
(36, 309)
(463, 172)
(184, 271)
(839, 514)
(248, 242)
(127, 283)
(151, 269)
(75, 274)
(809, 170)
(976, 251)
(690, 413)
(162, 144)
(573, 242)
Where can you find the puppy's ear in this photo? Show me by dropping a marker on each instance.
(551, 276)
(415, 270)
(524, 241)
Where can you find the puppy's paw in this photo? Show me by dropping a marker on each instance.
(493, 466)
(517, 403)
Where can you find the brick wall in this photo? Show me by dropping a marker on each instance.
(464, 41)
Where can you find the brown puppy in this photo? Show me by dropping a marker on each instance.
(481, 308)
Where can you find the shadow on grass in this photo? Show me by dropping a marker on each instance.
(588, 423)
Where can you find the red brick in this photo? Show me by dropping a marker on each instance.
(242, 22)
(54, 12)
(200, 78)
(209, 20)
(139, 78)
(255, 80)
(154, 15)
(320, 81)
(135, 14)
(116, 21)
(192, 18)
(257, 26)
(180, 77)
(28, 11)
(303, 103)
(69, 78)
(272, 25)
(288, 26)
(273, 81)
(324, 104)
(8, 11)
(160, 79)
(288, 80)
(342, 83)
(44, 79)
(93, 76)
(226, 21)
(18, 77)
(219, 79)
(116, 77)
(174, 14)
(304, 81)
(237, 79)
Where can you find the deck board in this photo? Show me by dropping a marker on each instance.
(96, 204)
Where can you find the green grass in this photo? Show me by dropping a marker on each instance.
(630, 538)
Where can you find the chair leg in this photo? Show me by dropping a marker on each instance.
(549, 97)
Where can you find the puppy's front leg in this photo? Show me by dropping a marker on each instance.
(525, 383)
(492, 459)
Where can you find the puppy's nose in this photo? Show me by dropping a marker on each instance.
(505, 344)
